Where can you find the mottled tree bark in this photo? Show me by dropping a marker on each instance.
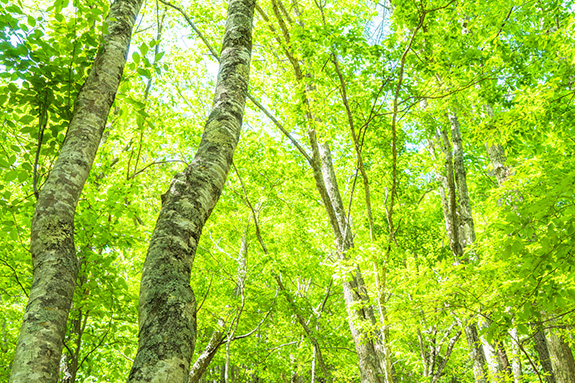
(497, 158)
(167, 305)
(39, 348)
(476, 353)
(561, 357)
(462, 233)
(544, 358)
(466, 225)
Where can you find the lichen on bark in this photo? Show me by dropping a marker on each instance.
(167, 305)
(40, 343)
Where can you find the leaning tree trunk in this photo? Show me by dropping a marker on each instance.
(205, 358)
(39, 348)
(167, 305)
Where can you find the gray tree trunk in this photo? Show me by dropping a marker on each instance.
(476, 353)
(360, 312)
(460, 227)
(167, 305)
(544, 358)
(205, 358)
(39, 348)
(561, 357)
(516, 356)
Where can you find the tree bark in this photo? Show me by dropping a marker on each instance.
(561, 358)
(544, 358)
(39, 348)
(516, 359)
(462, 232)
(205, 358)
(167, 304)
(476, 353)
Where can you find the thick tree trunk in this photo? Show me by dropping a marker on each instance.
(167, 305)
(561, 358)
(39, 348)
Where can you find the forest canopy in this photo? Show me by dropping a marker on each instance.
(287, 191)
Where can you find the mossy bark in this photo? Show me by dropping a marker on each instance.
(39, 348)
(167, 305)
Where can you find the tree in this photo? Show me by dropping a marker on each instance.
(351, 274)
(37, 355)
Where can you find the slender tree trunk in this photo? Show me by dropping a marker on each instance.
(317, 354)
(460, 228)
(516, 359)
(544, 357)
(476, 353)
(205, 358)
(167, 304)
(561, 358)
(360, 312)
(39, 348)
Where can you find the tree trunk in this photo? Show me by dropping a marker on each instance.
(462, 233)
(39, 348)
(476, 353)
(561, 358)
(360, 313)
(516, 356)
(497, 158)
(205, 358)
(167, 304)
(544, 358)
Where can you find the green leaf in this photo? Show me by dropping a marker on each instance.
(10, 176)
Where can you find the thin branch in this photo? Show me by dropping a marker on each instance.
(206, 295)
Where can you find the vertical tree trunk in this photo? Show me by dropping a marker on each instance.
(497, 158)
(360, 312)
(462, 233)
(516, 359)
(476, 353)
(167, 305)
(39, 348)
(544, 358)
(561, 358)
